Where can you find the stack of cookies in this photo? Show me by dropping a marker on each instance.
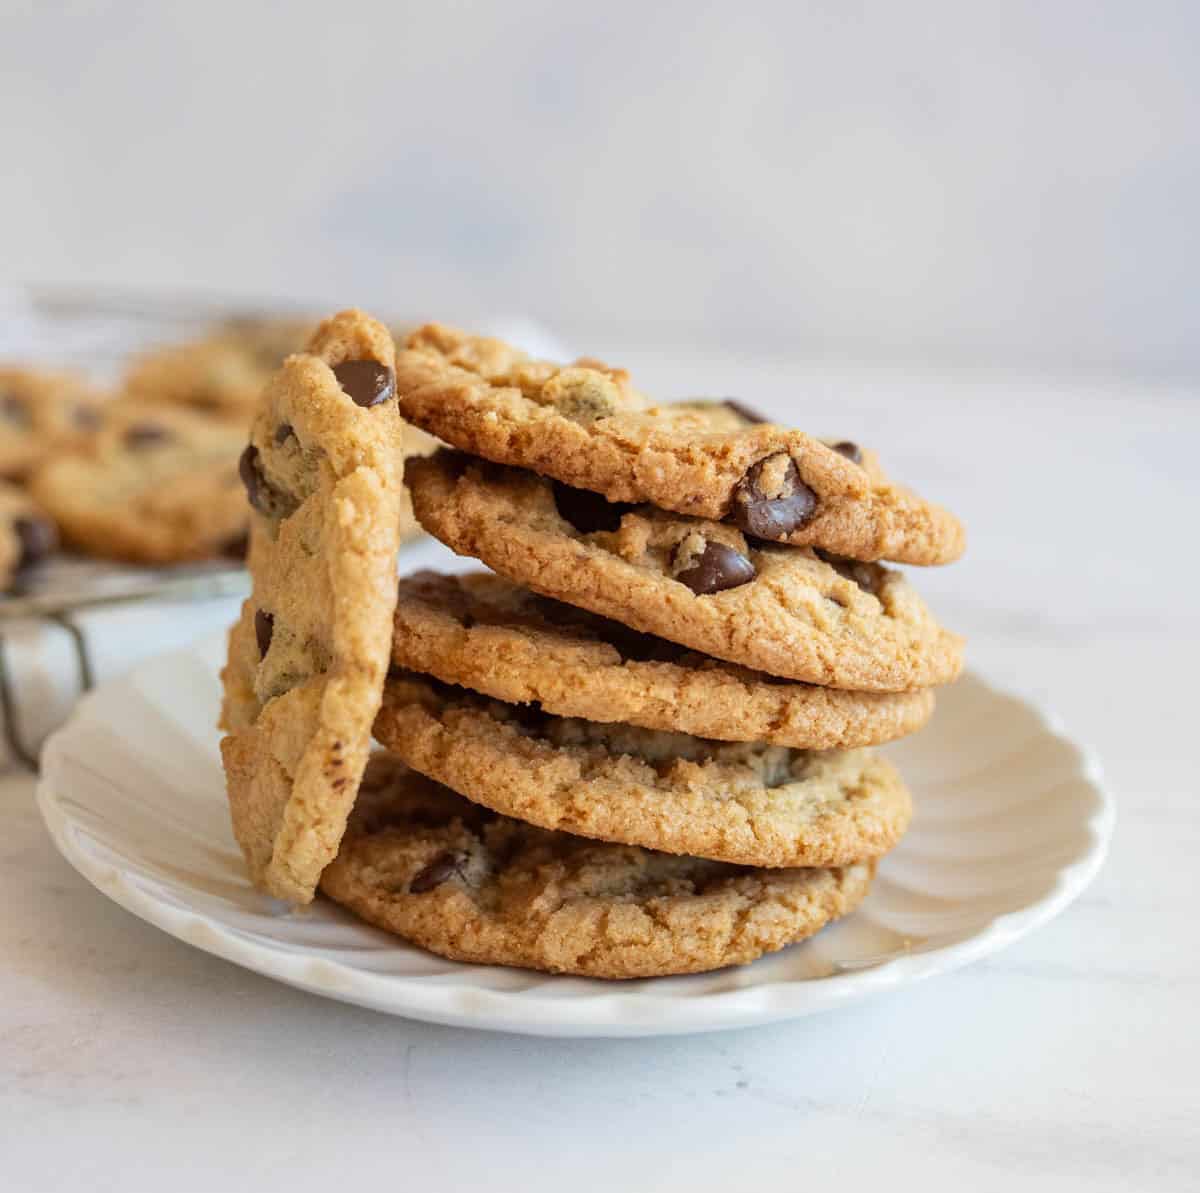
(640, 744)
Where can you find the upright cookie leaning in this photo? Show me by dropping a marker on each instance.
(307, 659)
(585, 425)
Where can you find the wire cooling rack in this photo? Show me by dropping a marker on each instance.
(97, 332)
(61, 588)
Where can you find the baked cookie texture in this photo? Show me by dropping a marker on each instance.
(42, 413)
(785, 611)
(27, 535)
(585, 425)
(486, 633)
(150, 486)
(747, 803)
(308, 657)
(422, 862)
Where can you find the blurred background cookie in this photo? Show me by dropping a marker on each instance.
(27, 535)
(41, 411)
(151, 486)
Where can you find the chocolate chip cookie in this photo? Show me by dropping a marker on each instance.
(27, 535)
(786, 611)
(585, 425)
(42, 413)
(488, 634)
(219, 374)
(151, 486)
(749, 803)
(308, 657)
(422, 862)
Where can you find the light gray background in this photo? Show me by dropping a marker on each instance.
(998, 183)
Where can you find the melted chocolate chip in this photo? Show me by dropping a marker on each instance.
(142, 435)
(588, 511)
(367, 382)
(37, 537)
(86, 418)
(772, 515)
(251, 476)
(863, 574)
(283, 432)
(850, 450)
(236, 547)
(444, 866)
(717, 568)
(747, 412)
(14, 410)
(264, 630)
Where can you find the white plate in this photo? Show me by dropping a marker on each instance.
(1012, 824)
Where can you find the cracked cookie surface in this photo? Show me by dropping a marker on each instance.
(782, 610)
(421, 862)
(585, 425)
(748, 803)
(486, 633)
(307, 658)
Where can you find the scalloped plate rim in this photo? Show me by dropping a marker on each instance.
(621, 1011)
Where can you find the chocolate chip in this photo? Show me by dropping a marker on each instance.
(863, 574)
(716, 568)
(142, 435)
(283, 432)
(747, 412)
(14, 410)
(38, 539)
(85, 418)
(444, 866)
(248, 470)
(236, 547)
(588, 511)
(367, 382)
(264, 630)
(270, 502)
(850, 450)
(771, 500)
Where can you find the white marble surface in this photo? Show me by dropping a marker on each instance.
(130, 1062)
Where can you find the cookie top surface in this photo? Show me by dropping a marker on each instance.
(749, 803)
(27, 535)
(486, 633)
(42, 412)
(152, 485)
(308, 657)
(422, 862)
(585, 425)
(782, 610)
